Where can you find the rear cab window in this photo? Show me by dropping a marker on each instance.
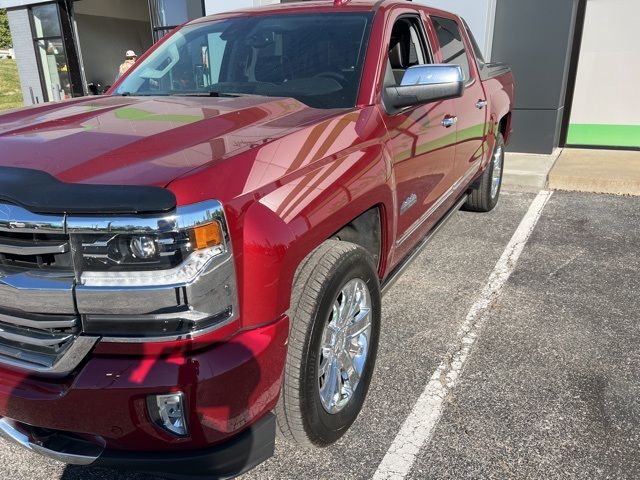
(452, 45)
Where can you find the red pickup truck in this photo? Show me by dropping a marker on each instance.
(197, 259)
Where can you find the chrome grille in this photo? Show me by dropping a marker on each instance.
(36, 339)
(35, 250)
(40, 330)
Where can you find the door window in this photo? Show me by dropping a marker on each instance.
(406, 49)
(452, 44)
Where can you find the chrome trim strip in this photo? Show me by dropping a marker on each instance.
(9, 430)
(78, 350)
(16, 219)
(37, 292)
(22, 248)
(184, 217)
(37, 324)
(443, 198)
(35, 341)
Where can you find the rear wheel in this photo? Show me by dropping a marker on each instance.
(335, 324)
(485, 194)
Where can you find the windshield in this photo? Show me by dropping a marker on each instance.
(314, 58)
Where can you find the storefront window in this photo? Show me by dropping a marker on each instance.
(51, 52)
(45, 20)
(168, 14)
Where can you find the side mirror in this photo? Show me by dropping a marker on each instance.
(426, 83)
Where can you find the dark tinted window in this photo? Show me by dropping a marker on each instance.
(315, 58)
(452, 44)
(405, 49)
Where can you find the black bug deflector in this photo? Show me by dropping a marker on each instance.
(40, 192)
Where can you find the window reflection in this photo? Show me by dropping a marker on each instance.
(54, 68)
(45, 21)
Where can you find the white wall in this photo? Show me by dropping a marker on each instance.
(606, 84)
(479, 15)
(217, 6)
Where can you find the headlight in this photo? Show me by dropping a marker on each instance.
(148, 250)
(160, 251)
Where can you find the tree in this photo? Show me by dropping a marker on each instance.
(5, 33)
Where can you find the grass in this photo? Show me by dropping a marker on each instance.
(10, 93)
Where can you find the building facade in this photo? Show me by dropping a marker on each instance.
(572, 59)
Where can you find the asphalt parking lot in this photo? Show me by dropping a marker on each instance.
(551, 385)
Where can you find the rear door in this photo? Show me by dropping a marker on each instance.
(471, 108)
(422, 149)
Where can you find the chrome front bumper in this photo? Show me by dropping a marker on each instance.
(57, 446)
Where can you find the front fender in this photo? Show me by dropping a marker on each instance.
(287, 224)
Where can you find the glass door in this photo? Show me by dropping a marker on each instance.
(53, 39)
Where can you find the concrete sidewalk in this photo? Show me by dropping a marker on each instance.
(598, 171)
(525, 171)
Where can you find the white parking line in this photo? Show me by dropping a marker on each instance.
(418, 428)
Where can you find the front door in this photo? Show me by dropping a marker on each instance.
(421, 147)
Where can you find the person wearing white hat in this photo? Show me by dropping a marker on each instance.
(130, 59)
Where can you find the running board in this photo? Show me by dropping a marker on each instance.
(406, 263)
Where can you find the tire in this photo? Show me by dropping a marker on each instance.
(484, 196)
(302, 416)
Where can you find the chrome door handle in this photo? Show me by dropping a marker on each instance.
(481, 104)
(449, 121)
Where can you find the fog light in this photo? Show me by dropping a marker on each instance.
(143, 248)
(167, 411)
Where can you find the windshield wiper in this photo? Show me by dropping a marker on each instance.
(129, 94)
(211, 93)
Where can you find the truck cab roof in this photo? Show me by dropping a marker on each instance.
(324, 6)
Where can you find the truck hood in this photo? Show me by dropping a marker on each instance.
(143, 140)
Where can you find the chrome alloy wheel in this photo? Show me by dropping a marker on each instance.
(496, 177)
(344, 346)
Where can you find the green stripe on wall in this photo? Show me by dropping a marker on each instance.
(604, 135)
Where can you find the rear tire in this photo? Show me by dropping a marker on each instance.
(485, 194)
(318, 403)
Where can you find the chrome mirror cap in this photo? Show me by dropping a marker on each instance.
(436, 74)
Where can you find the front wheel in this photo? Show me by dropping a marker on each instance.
(485, 194)
(333, 342)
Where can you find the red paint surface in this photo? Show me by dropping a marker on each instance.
(289, 177)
